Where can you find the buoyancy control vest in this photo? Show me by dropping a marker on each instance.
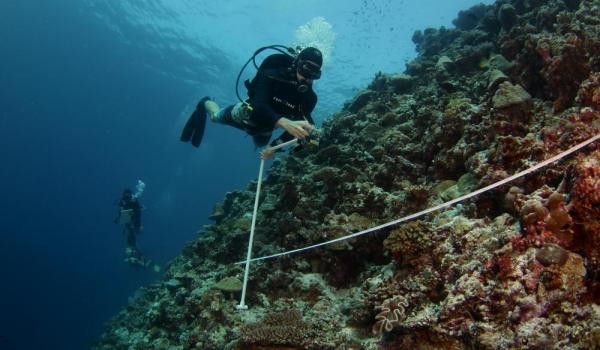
(278, 61)
(285, 59)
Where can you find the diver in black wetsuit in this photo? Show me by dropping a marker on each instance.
(130, 215)
(279, 96)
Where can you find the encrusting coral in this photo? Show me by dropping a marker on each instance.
(515, 83)
(282, 328)
(410, 240)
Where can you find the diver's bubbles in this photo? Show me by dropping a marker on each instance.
(316, 33)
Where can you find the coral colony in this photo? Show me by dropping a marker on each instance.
(518, 267)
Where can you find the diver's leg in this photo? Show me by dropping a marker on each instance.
(130, 243)
(235, 115)
(133, 254)
(131, 239)
(212, 108)
(223, 116)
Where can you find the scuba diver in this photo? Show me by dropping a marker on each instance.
(130, 216)
(280, 95)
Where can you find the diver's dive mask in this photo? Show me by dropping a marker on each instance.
(309, 70)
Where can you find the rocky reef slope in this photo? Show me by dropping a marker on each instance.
(514, 268)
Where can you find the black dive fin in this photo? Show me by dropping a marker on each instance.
(194, 128)
(199, 131)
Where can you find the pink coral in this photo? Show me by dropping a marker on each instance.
(545, 218)
(585, 204)
(585, 194)
(575, 127)
(502, 266)
(589, 91)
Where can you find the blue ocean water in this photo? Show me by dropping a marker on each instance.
(93, 95)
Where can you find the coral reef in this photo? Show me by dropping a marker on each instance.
(513, 84)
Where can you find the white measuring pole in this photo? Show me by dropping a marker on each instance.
(242, 305)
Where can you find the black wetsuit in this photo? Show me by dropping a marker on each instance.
(274, 94)
(133, 227)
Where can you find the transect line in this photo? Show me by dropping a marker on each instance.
(437, 207)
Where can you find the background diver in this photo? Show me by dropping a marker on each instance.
(130, 216)
(280, 95)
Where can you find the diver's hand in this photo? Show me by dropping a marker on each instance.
(296, 128)
(267, 153)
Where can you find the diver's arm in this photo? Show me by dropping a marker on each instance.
(298, 128)
(308, 105)
(268, 152)
(265, 115)
(285, 137)
(294, 128)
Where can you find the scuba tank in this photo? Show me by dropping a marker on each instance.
(285, 58)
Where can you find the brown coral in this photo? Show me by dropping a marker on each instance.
(278, 328)
(409, 240)
(589, 92)
(565, 68)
